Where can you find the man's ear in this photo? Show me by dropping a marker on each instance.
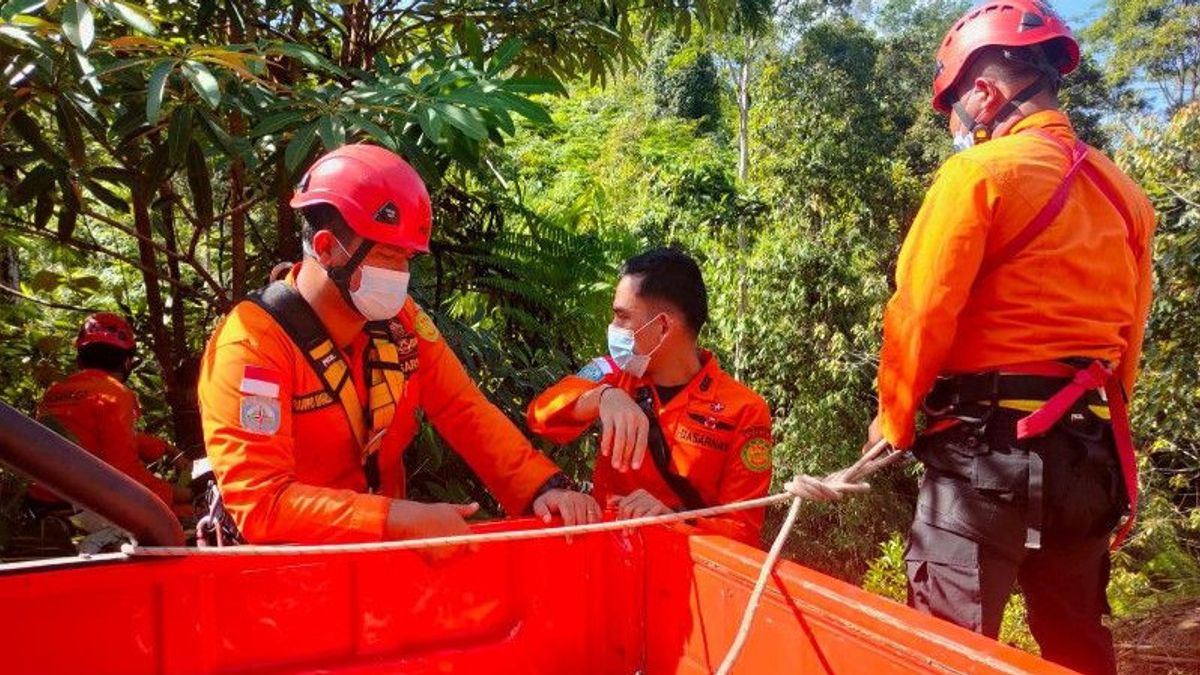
(324, 246)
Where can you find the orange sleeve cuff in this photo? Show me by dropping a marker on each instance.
(549, 415)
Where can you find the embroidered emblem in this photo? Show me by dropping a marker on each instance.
(756, 454)
(424, 327)
(591, 372)
(596, 369)
(260, 415)
(717, 406)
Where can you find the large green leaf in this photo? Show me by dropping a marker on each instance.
(533, 85)
(135, 17)
(109, 198)
(68, 214)
(376, 132)
(279, 121)
(505, 53)
(36, 183)
(43, 210)
(200, 185)
(431, 124)
(154, 90)
(30, 132)
(179, 134)
(15, 7)
(203, 82)
(523, 106)
(473, 42)
(300, 145)
(78, 24)
(462, 120)
(68, 127)
(308, 57)
(333, 132)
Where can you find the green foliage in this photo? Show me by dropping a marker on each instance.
(686, 84)
(1165, 410)
(1153, 41)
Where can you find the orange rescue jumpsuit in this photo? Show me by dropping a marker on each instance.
(1053, 300)
(101, 413)
(996, 506)
(717, 430)
(298, 476)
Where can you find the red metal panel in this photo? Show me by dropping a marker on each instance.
(657, 602)
(806, 622)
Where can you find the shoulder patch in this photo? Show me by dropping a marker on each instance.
(756, 454)
(595, 370)
(424, 326)
(260, 415)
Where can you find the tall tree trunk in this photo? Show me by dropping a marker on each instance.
(743, 102)
(288, 246)
(237, 189)
(181, 388)
(160, 340)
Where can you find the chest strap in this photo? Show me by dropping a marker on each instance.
(660, 453)
(382, 371)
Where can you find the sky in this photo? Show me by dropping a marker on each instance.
(1078, 13)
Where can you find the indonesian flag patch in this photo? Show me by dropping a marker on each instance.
(259, 381)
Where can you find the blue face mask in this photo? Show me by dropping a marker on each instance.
(621, 348)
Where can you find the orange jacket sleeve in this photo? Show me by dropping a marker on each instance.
(151, 448)
(115, 418)
(747, 475)
(549, 415)
(256, 471)
(938, 263)
(1143, 214)
(489, 442)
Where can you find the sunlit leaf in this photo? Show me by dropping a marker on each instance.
(154, 89)
(202, 80)
(78, 24)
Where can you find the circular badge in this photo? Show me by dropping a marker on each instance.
(424, 327)
(756, 454)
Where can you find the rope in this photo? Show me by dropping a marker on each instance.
(874, 459)
(136, 551)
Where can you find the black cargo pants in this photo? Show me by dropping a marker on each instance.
(967, 546)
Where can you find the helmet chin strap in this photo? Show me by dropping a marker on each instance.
(983, 131)
(340, 275)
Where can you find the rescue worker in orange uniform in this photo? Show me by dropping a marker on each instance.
(677, 432)
(100, 413)
(1016, 326)
(310, 390)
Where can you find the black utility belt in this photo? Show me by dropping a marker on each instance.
(997, 387)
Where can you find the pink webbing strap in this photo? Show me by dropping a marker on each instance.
(1041, 420)
(1048, 213)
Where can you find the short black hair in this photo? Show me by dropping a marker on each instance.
(317, 217)
(669, 275)
(109, 358)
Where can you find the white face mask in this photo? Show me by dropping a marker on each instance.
(621, 349)
(963, 140)
(381, 292)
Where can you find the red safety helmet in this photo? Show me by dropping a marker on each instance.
(1015, 23)
(105, 328)
(376, 192)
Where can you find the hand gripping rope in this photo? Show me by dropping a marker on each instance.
(879, 456)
